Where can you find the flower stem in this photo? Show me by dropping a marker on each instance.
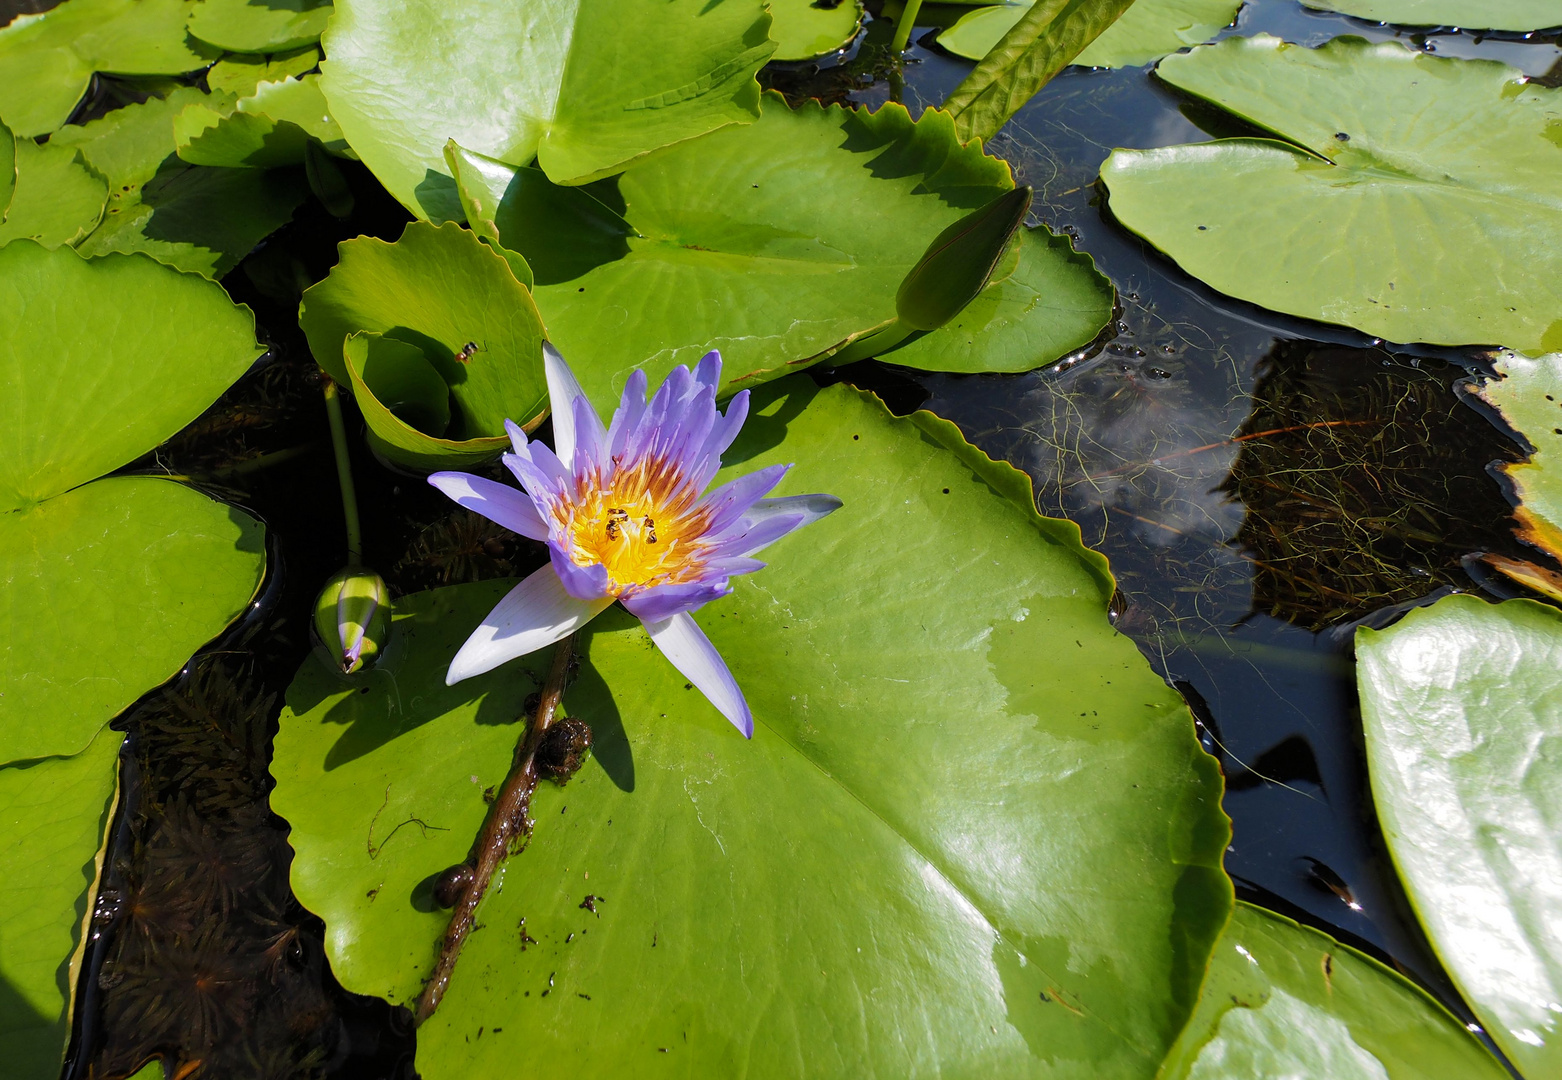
(908, 19)
(507, 820)
(344, 474)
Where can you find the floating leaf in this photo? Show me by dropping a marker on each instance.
(53, 817)
(58, 200)
(1045, 40)
(1146, 32)
(8, 170)
(439, 288)
(958, 263)
(585, 87)
(270, 128)
(47, 60)
(102, 360)
(1469, 14)
(1282, 1000)
(241, 75)
(1529, 396)
(752, 241)
(1044, 300)
(1461, 703)
(259, 26)
(804, 29)
(1384, 135)
(959, 769)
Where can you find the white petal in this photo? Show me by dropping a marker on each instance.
(498, 503)
(533, 615)
(690, 651)
(810, 507)
(563, 389)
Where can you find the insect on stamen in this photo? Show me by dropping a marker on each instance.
(650, 530)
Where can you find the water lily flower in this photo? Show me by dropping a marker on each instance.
(626, 517)
(352, 618)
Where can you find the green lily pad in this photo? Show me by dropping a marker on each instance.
(1146, 32)
(1469, 14)
(584, 86)
(1462, 707)
(439, 288)
(53, 818)
(269, 128)
(102, 360)
(136, 574)
(58, 200)
(753, 241)
(1041, 304)
(1283, 1001)
(241, 75)
(259, 26)
(1383, 135)
(1529, 396)
(47, 60)
(804, 29)
(971, 818)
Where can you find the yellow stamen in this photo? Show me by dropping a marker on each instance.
(638, 523)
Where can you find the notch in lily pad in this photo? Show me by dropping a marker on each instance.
(955, 267)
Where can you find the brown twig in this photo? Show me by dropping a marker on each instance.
(506, 820)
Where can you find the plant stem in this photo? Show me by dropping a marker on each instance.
(344, 474)
(908, 19)
(507, 819)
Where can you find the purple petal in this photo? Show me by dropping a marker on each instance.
(733, 499)
(708, 371)
(631, 408)
(745, 537)
(664, 601)
(499, 503)
(812, 507)
(563, 389)
(518, 438)
(690, 651)
(533, 615)
(582, 582)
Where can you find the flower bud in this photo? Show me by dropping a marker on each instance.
(352, 619)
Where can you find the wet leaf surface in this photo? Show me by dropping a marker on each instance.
(1282, 1000)
(803, 29)
(1379, 135)
(948, 623)
(1462, 707)
(585, 86)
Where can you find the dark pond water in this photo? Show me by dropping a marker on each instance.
(1261, 484)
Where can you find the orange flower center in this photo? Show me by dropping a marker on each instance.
(639, 524)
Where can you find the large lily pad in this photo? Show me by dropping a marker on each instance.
(1383, 135)
(1469, 14)
(1529, 396)
(437, 289)
(1462, 706)
(754, 241)
(585, 86)
(241, 75)
(1283, 1001)
(803, 29)
(47, 60)
(971, 818)
(259, 26)
(53, 817)
(58, 200)
(1147, 31)
(102, 360)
